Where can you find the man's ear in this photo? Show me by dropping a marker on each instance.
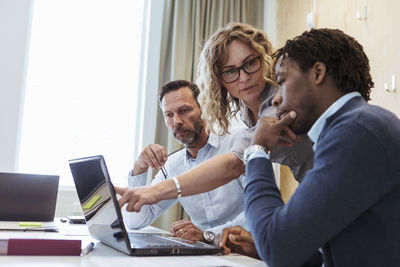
(319, 70)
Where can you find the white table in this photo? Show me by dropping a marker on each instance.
(102, 255)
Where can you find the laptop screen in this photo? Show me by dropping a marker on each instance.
(100, 209)
(28, 197)
(94, 178)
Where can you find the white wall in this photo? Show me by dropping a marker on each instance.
(15, 27)
(270, 7)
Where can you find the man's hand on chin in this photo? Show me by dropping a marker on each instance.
(272, 132)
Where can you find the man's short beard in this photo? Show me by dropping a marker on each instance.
(193, 136)
(306, 115)
(301, 128)
(304, 120)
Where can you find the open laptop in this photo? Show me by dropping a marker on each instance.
(104, 219)
(28, 197)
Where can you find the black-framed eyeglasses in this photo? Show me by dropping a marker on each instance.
(251, 66)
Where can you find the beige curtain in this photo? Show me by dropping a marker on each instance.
(187, 24)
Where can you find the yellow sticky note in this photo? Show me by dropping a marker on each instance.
(30, 224)
(91, 203)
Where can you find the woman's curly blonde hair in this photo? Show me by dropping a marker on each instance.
(218, 105)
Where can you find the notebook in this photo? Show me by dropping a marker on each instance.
(104, 219)
(28, 197)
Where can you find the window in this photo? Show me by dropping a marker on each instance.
(82, 84)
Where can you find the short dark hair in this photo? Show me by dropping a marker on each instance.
(175, 85)
(343, 56)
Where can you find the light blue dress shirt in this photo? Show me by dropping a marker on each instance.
(215, 210)
(319, 124)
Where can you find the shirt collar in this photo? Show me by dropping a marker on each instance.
(316, 129)
(213, 140)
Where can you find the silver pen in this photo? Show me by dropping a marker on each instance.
(87, 249)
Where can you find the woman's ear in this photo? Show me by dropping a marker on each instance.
(319, 72)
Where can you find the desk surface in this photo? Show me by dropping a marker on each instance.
(102, 255)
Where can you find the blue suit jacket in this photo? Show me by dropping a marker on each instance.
(348, 203)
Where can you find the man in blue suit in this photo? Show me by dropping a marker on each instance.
(348, 205)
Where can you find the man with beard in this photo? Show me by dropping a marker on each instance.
(348, 205)
(210, 212)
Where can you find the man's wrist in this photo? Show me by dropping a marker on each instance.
(202, 237)
(138, 170)
(255, 141)
(252, 149)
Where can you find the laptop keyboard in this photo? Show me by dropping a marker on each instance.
(140, 240)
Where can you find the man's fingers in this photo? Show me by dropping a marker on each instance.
(237, 236)
(186, 227)
(287, 119)
(238, 239)
(129, 207)
(159, 156)
(123, 193)
(223, 238)
(191, 232)
(176, 226)
(137, 207)
(120, 190)
(152, 158)
(225, 235)
(289, 133)
(178, 223)
(235, 239)
(234, 230)
(124, 199)
(226, 249)
(164, 155)
(284, 141)
(160, 153)
(127, 197)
